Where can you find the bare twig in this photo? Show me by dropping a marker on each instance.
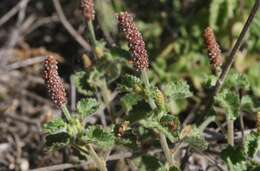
(10, 13)
(69, 27)
(25, 63)
(83, 164)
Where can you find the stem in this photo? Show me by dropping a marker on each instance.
(105, 92)
(144, 77)
(163, 141)
(231, 58)
(66, 112)
(166, 149)
(100, 162)
(204, 125)
(230, 132)
(242, 125)
(92, 34)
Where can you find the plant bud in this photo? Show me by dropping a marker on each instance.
(159, 99)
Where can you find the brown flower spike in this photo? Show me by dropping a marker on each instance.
(135, 41)
(214, 51)
(53, 81)
(87, 9)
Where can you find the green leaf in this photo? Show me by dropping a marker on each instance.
(80, 81)
(57, 141)
(99, 137)
(129, 100)
(87, 106)
(236, 80)
(177, 90)
(252, 144)
(234, 154)
(55, 126)
(194, 138)
(230, 102)
(151, 163)
(214, 12)
(247, 104)
(156, 126)
(131, 80)
(173, 168)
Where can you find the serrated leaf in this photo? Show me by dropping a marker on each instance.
(57, 141)
(252, 144)
(131, 80)
(55, 126)
(177, 90)
(80, 81)
(129, 100)
(99, 137)
(152, 124)
(235, 154)
(192, 136)
(247, 104)
(173, 168)
(236, 80)
(237, 166)
(152, 163)
(230, 102)
(214, 12)
(87, 106)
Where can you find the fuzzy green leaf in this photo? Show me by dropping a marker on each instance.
(236, 80)
(177, 90)
(152, 124)
(87, 106)
(252, 144)
(230, 102)
(129, 100)
(55, 126)
(80, 81)
(247, 104)
(234, 154)
(99, 137)
(195, 139)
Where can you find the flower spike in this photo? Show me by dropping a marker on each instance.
(214, 51)
(87, 9)
(53, 81)
(135, 41)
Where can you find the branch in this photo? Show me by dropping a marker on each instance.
(69, 27)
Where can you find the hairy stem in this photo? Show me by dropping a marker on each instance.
(105, 92)
(166, 149)
(163, 141)
(66, 112)
(231, 58)
(93, 39)
(100, 162)
(204, 125)
(230, 132)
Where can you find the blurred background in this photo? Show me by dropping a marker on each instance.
(172, 30)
